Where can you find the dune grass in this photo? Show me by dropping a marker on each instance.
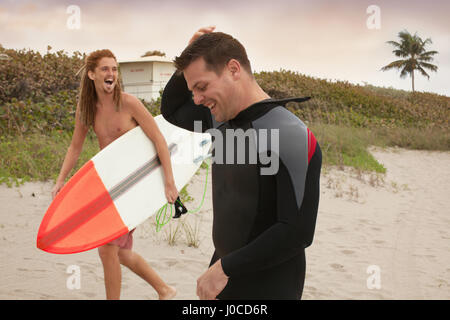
(39, 157)
(345, 146)
(348, 146)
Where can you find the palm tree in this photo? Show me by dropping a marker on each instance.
(412, 48)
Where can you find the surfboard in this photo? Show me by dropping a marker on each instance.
(118, 189)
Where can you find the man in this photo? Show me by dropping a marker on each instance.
(111, 113)
(262, 222)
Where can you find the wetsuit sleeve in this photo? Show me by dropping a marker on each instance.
(178, 108)
(278, 243)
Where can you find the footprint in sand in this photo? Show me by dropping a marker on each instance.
(348, 252)
(89, 294)
(171, 263)
(337, 266)
(46, 297)
(380, 244)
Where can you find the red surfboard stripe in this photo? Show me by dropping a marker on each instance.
(86, 168)
(76, 247)
(78, 218)
(74, 223)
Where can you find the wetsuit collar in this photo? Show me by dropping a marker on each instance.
(259, 108)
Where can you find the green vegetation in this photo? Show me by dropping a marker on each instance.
(347, 118)
(29, 75)
(38, 95)
(153, 53)
(344, 104)
(38, 156)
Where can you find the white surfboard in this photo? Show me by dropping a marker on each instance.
(119, 188)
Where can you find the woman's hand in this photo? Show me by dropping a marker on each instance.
(56, 188)
(171, 192)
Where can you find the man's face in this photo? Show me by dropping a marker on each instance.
(213, 91)
(105, 75)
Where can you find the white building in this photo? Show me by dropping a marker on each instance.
(145, 77)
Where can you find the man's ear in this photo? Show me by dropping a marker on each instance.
(91, 75)
(234, 67)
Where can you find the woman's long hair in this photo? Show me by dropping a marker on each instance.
(88, 96)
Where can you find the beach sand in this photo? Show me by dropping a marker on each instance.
(378, 236)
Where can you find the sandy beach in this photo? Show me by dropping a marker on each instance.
(378, 236)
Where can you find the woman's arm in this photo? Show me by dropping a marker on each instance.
(150, 128)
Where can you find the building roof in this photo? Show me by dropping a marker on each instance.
(147, 59)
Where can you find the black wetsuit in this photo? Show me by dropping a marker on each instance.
(262, 223)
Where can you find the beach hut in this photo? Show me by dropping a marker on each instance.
(145, 77)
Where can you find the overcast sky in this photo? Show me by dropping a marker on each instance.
(323, 38)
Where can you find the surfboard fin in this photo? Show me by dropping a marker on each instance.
(179, 208)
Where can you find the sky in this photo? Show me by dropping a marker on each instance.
(327, 39)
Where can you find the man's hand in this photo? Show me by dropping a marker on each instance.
(212, 282)
(201, 32)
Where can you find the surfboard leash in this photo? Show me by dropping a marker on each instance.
(162, 217)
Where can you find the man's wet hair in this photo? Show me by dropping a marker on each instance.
(217, 49)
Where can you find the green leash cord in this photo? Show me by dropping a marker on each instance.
(162, 217)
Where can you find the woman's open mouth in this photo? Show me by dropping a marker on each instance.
(109, 83)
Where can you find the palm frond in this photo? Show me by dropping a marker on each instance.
(429, 53)
(404, 72)
(429, 66)
(424, 58)
(401, 53)
(395, 44)
(426, 41)
(423, 72)
(404, 35)
(394, 65)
